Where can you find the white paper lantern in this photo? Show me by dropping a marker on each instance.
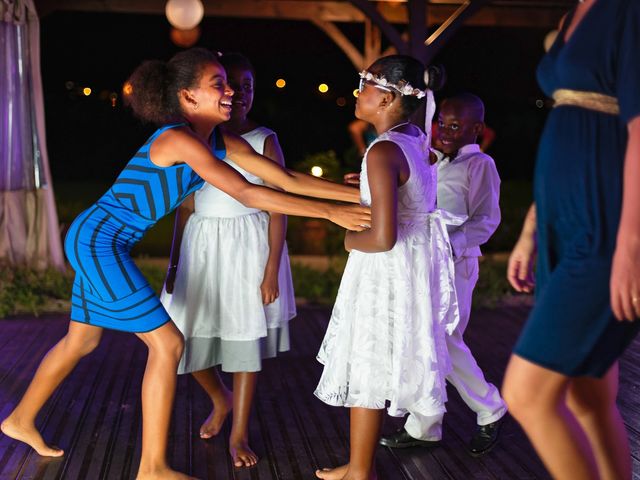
(184, 14)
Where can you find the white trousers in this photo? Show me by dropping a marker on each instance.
(479, 395)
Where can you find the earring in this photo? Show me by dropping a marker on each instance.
(195, 106)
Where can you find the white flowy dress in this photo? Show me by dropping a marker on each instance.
(216, 301)
(385, 343)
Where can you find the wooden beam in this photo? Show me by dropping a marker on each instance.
(440, 37)
(496, 14)
(333, 32)
(389, 31)
(331, 11)
(418, 28)
(512, 13)
(372, 43)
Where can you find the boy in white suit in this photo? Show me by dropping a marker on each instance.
(468, 184)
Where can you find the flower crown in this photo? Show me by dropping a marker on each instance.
(403, 87)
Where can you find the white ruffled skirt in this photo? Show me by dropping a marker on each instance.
(386, 338)
(217, 290)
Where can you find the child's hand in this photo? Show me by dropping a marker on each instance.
(352, 179)
(351, 217)
(520, 268)
(269, 288)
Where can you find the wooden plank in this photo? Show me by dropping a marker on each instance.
(95, 414)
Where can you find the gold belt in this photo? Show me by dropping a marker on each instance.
(589, 100)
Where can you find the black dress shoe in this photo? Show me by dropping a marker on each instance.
(401, 439)
(485, 438)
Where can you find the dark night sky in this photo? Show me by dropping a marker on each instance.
(90, 140)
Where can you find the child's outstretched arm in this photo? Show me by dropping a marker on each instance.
(182, 145)
(291, 181)
(386, 164)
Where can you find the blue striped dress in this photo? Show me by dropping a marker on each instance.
(109, 290)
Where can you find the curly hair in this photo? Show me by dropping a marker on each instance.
(152, 89)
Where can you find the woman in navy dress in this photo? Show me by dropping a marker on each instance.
(562, 380)
(188, 96)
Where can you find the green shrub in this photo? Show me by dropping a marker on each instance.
(23, 290)
(515, 198)
(314, 285)
(154, 273)
(492, 287)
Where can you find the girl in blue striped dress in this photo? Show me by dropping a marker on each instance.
(188, 97)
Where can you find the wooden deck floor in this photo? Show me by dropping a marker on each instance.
(95, 415)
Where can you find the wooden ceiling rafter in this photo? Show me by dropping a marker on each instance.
(379, 17)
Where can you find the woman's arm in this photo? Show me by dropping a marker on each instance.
(625, 270)
(520, 267)
(181, 145)
(277, 232)
(183, 212)
(385, 162)
(243, 155)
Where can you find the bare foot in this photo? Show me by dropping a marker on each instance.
(337, 473)
(29, 435)
(213, 424)
(163, 474)
(241, 454)
(343, 473)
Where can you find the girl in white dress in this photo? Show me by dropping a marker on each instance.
(385, 344)
(233, 294)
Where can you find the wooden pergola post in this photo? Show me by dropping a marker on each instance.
(419, 44)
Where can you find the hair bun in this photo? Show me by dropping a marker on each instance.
(435, 76)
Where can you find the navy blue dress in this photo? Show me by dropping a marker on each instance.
(109, 290)
(578, 194)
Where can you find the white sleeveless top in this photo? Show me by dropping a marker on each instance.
(213, 202)
(417, 197)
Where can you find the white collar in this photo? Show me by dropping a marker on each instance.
(469, 148)
(464, 150)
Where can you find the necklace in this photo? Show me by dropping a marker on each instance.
(398, 125)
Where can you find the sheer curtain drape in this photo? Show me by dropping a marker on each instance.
(29, 232)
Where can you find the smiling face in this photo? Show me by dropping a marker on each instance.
(458, 125)
(212, 97)
(242, 82)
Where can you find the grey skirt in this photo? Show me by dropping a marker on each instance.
(233, 355)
